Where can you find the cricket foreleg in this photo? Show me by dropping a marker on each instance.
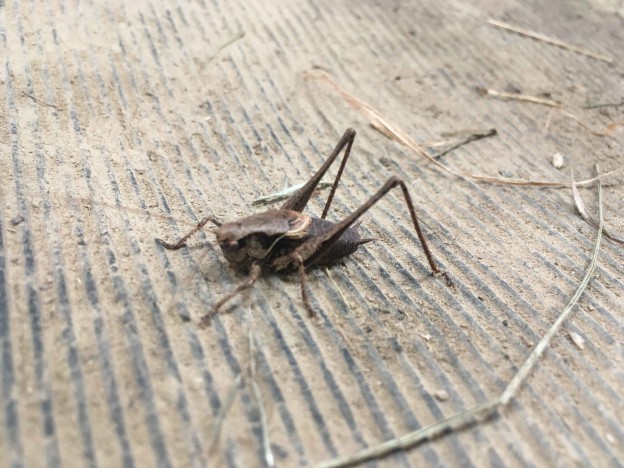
(182, 242)
(254, 274)
(304, 291)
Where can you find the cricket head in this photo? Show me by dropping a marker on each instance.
(252, 239)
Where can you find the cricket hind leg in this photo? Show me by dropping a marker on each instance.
(182, 242)
(299, 200)
(343, 163)
(254, 274)
(314, 248)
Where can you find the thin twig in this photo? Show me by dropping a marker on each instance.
(227, 43)
(519, 97)
(605, 104)
(269, 458)
(549, 40)
(547, 124)
(469, 138)
(485, 410)
(283, 194)
(393, 132)
(336, 287)
(454, 422)
(601, 133)
(555, 106)
(39, 100)
(229, 400)
(523, 372)
(580, 206)
(386, 127)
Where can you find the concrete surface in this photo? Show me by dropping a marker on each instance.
(126, 121)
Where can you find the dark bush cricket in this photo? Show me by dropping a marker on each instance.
(285, 240)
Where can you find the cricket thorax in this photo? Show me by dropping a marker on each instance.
(255, 237)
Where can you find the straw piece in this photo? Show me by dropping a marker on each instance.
(519, 97)
(269, 458)
(580, 206)
(393, 132)
(548, 40)
(523, 372)
(285, 193)
(229, 400)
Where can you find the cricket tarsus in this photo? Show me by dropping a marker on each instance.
(182, 242)
(254, 274)
(288, 240)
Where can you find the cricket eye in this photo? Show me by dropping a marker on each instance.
(233, 244)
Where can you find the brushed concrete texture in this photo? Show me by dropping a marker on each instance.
(126, 121)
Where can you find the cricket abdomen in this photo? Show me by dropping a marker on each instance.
(346, 244)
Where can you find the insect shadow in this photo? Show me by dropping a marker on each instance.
(287, 240)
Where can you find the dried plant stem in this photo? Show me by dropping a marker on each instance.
(547, 124)
(520, 97)
(580, 206)
(523, 372)
(467, 139)
(229, 400)
(285, 193)
(600, 133)
(548, 40)
(249, 373)
(54, 106)
(605, 104)
(555, 106)
(269, 458)
(488, 409)
(386, 127)
(226, 44)
(395, 133)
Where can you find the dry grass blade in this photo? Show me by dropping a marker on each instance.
(549, 40)
(393, 132)
(555, 106)
(269, 458)
(512, 388)
(229, 400)
(519, 97)
(386, 127)
(223, 46)
(54, 106)
(548, 119)
(605, 104)
(455, 422)
(600, 133)
(580, 206)
(485, 410)
(467, 139)
(285, 193)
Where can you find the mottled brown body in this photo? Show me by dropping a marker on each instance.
(264, 246)
(286, 239)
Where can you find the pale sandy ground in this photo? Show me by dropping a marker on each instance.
(126, 121)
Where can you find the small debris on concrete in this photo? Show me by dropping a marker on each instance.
(578, 340)
(17, 220)
(557, 160)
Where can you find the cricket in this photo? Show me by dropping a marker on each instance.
(286, 240)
